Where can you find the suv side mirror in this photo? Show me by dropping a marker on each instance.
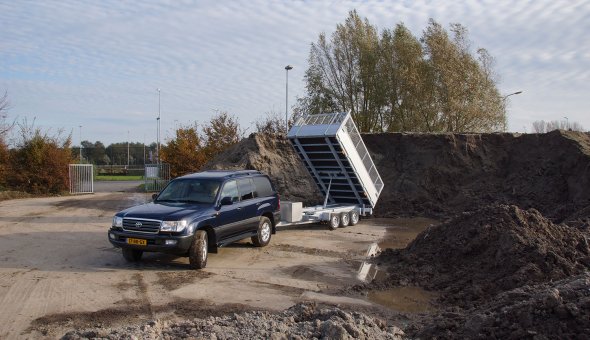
(154, 196)
(226, 201)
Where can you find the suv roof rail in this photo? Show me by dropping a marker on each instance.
(236, 173)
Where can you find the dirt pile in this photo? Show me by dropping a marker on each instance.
(443, 174)
(302, 321)
(478, 255)
(559, 310)
(274, 156)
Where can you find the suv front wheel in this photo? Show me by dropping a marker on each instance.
(262, 237)
(197, 253)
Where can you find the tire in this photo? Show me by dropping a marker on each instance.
(334, 221)
(198, 252)
(132, 255)
(263, 233)
(354, 217)
(344, 220)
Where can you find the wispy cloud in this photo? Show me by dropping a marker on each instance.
(98, 64)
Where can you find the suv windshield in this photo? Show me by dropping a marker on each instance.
(193, 190)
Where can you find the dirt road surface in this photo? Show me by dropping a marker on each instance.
(58, 272)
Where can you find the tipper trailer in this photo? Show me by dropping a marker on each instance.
(334, 154)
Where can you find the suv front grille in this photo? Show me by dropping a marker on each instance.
(141, 225)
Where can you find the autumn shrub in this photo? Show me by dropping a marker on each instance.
(184, 152)
(39, 165)
(190, 149)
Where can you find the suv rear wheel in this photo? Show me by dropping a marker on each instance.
(262, 237)
(132, 255)
(197, 253)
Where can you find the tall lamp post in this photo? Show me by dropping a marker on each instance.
(287, 68)
(158, 120)
(504, 106)
(511, 94)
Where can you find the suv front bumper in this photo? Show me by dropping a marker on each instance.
(166, 243)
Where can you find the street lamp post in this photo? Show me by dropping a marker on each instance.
(511, 94)
(287, 68)
(158, 120)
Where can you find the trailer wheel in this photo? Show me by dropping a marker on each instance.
(344, 220)
(334, 222)
(354, 217)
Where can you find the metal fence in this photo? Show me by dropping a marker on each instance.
(157, 177)
(81, 179)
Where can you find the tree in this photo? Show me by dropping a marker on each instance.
(184, 152)
(221, 132)
(4, 128)
(271, 124)
(189, 150)
(395, 82)
(540, 126)
(4, 106)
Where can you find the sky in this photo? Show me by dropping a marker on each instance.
(99, 64)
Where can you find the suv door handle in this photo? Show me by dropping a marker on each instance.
(240, 208)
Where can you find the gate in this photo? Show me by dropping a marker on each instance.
(157, 177)
(81, 179)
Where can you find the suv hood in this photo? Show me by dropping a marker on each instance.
(167, 211)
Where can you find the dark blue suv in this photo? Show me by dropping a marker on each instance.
(197, 213)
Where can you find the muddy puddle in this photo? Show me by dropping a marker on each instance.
(404, 299)
(398, 233)
(401, 231)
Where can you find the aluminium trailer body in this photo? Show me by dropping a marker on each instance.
(334, 154)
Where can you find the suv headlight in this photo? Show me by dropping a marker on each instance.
(117, 221)
(176, 226)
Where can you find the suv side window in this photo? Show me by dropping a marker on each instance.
(246, 188)
(263, 186)
(230, 189)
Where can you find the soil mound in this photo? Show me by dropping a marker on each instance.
(444, 174)
(495, 249)
(273, 155)
(302, 321)
(558, 310)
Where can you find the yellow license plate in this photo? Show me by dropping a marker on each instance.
(137, 241)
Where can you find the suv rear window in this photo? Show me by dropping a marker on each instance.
(263, 186)
(246, 188)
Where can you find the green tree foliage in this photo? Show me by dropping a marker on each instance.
(395, 82)
(189, 150)
(39, 164)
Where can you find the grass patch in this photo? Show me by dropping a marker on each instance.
(118, 178)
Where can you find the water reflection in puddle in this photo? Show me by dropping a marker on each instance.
(399, 233)
(404, 299)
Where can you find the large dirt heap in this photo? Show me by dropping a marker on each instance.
(274, 156)
(495, 249)
(443, 174)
